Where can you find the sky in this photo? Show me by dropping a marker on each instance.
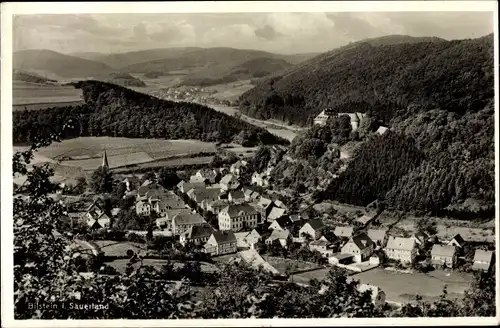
(281, 32)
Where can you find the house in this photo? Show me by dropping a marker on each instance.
(93, 211)
(183, 221)
(220, 243)
(275, 213)
(197, 234)
(283, 236)
(236, 196)
(378, 296)
(280, 204)
(482, 260)
(237, 217)
(379, 236)
(381, 130)
(239, 167)
(101, 222)
(229, 182)
(165, 222)
(207, 175)
(162, 206)
(360, 246)
(250, 195)
(141, 192)
(443, 256)
(322, 117)
(131, 182)
(253, 237)
(260, 179)
(264, 206)
(216, 206)
(196, 179)
(280, 224)
(199, 195)
(322, 245)
(457, 241)
(420, 237)
(401, 249)
(143, 207)
(312, 228)
(185, 187)
(248, 239)
(344, 232)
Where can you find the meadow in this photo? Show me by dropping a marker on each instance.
(25, 93)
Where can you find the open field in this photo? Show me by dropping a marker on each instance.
(120, 265)
(230, 91)
(282, 264)
(115, 248)
(33, 93)
(86, 152)
(401, 287)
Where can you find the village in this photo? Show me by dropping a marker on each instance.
(218, 216)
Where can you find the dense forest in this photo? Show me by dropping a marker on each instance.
(436, 98)
(255, 68)
(452, 75)
(115, 111)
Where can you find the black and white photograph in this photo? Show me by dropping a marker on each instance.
(249, 160)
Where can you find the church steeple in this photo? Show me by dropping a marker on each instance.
(105, 160)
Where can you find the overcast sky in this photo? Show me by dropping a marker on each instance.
(274, 32)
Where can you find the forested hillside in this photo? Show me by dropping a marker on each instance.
(18, 75)
(438, 157)
(251, 69)
(112, 110)
(425, 75)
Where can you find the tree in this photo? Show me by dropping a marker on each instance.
(168, 178)
(101, 180)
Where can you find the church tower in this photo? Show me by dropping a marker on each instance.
(105, 161)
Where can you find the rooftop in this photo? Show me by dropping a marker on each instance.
(443, 250)
(224, 236)
(188, 218)
(238, 209)
(406, 244)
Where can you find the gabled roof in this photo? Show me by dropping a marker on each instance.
(188, 218)
(315, 224)
(459, 240)
(381, 130)
(362, 240)
(207, 173)
(279, 234)
(406, 244)
(173, 212)
(483, 256)
(295, 218)
(276, 213)
(235, 209)
(320, 242)
(376, 234)
(172, 203)
(224, 236)
(237, 194)
(443, 250)
(247, 192)
(228, 178)
(264, 202)
(199, 231)
(190, 185)
(218, 203)
(282, 221)
(341, 231)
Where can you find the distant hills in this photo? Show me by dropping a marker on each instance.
(392, 72)
(58, 66)
(125, 79)
(197, 65)
(19, 75)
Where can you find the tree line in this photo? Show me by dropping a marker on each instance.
(115, 111)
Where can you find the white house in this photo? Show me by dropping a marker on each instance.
(482, 260)
(283, 236)
(229, 182)
(312, 228)
(360, 246)
(238, 217)
(401, 249)
(221, 242)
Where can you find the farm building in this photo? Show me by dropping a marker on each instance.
(379, 236)
(483, 260)
(345, 232)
